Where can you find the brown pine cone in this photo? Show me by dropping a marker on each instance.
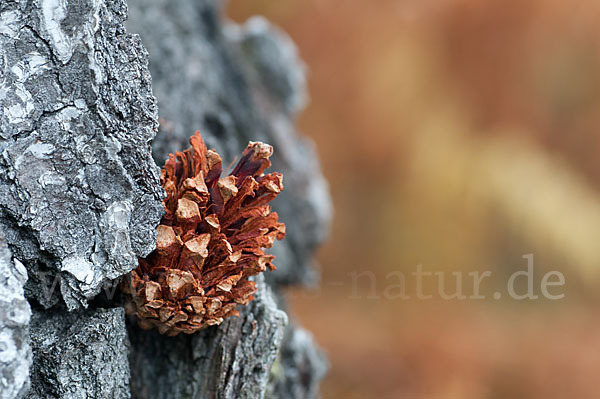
(210, 240)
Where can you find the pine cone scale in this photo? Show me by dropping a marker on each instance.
(210, 241)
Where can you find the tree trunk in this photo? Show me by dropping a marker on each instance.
(80, 195)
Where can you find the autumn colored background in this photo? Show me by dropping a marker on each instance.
(460, 135)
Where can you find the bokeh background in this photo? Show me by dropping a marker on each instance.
(460, 135)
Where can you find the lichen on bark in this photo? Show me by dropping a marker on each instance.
(79, 192)
(80, 196)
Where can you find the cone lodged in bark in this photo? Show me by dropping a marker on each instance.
(210, 240)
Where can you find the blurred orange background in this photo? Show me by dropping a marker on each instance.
(460, 135)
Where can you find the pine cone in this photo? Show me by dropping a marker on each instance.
(209, 242)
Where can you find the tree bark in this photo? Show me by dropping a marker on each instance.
(80, 195)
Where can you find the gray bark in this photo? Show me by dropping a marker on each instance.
(300, 367)
(79, 192)
(80, 196)
(232, 361)
(79, 355)
(15, 351)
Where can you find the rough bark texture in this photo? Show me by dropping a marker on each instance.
(231, 361)
(79, 191)
(300, 367)
(79, 355)
(15, 351)
(80, 195)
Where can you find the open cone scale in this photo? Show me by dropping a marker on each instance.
(210, 240)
